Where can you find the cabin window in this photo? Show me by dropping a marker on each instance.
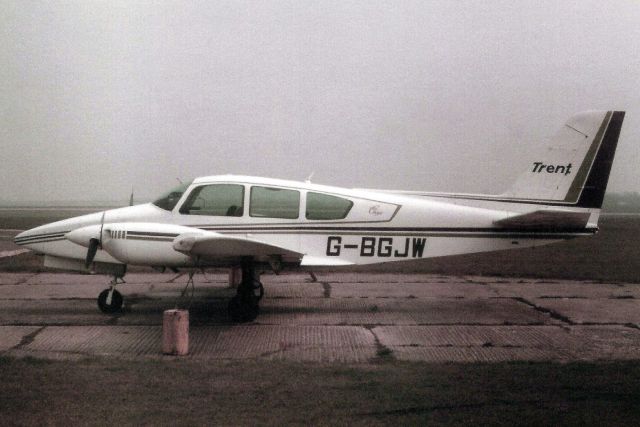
(215, 200)
(169, 200)
(326, 207)
(274, 203)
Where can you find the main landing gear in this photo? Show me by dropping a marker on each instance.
(244, 307)
(110, 300)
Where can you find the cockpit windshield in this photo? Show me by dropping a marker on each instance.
(168, 200)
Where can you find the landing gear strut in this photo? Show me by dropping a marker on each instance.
(244, 307)
(110, 300)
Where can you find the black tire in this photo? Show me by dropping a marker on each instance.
(117, 302)
(242, 311)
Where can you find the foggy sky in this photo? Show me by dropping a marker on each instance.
(100, 97)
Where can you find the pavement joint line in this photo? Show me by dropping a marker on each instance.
(28, 339)
(25, 279)
(487, 285)
(487, 344)
(383, 353)
(554, 314)
(603, 324)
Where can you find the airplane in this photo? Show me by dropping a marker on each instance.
(257, 224)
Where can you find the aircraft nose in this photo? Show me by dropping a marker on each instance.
(20, 238)
(82, 236)
(35, 236)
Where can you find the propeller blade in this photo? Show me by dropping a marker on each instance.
(91, 252)
(101, 227)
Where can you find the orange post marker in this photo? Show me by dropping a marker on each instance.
(175, 332)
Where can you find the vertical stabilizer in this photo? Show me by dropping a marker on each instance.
(574, 169)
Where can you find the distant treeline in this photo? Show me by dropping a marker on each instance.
(628, 202)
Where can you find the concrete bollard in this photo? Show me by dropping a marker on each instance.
(175, 332)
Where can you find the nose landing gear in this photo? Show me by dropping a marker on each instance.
(110, 300)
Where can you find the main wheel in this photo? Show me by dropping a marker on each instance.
(241, 310)
(257, 286)
(116, 301)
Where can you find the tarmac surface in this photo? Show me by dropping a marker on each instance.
(343, 317)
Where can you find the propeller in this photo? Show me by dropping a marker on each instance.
(94, 244)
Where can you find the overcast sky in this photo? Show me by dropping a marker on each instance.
(99, 97)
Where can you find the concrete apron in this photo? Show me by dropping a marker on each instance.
(340, 318)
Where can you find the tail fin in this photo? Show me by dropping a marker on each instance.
(575, 168)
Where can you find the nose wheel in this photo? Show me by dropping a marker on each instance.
(110, 300)
(110, 303)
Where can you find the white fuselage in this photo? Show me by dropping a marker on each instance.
(379, 227)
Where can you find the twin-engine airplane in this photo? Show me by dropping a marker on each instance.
(261, 223)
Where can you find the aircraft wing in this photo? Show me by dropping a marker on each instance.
(216, 245)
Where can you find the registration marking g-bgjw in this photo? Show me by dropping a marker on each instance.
(384, 247)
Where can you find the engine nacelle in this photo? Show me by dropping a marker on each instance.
(137, 243)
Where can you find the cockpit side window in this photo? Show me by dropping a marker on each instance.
(325, 207)
(169, 200)
(215, 200)
(269, 202)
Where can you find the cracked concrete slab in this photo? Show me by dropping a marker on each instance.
(472, 354)
(439, 289)
(298, 342)
(478, 343)
(607, 342)
(12, 336)
(399, 311)
(358, 317)
(309, 343)
(594, 311)
(565, 290)
(15, 278)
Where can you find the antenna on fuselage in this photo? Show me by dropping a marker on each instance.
(131, 197)
(308, 180)
(179, 180)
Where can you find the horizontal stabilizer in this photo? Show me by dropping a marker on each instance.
(545, 220)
